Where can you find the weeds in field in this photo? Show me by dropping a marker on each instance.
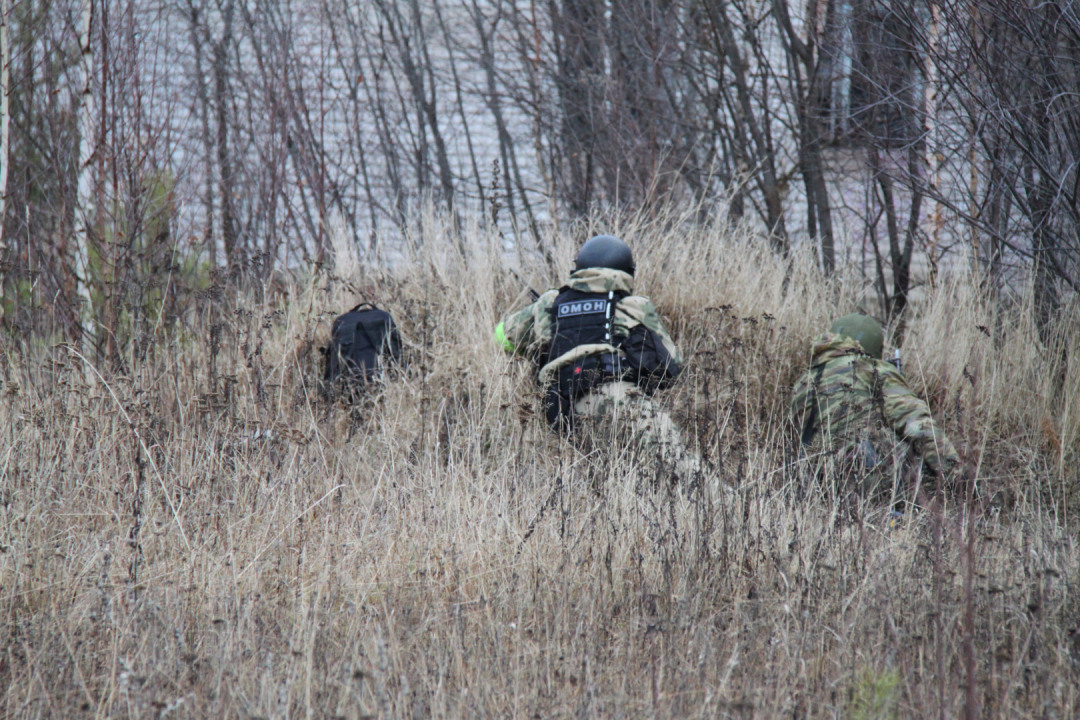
(197, 533)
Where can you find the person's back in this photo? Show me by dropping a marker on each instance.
(602, 351)
(860, 409)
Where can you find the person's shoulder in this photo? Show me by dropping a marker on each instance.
(891, 379)
(640, 301)
(640, 308)
(886, 370)
(844, 365)
(540, 305)
(543, 301)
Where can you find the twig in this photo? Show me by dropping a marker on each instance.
(142, 444)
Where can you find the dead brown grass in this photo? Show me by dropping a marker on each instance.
(197, 536)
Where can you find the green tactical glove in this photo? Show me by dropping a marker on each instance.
(500, 339)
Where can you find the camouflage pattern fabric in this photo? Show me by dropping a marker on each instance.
(645, 440)
(529, 330)
(861, 410)
(617, 415)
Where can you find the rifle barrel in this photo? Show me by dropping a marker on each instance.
(533, 294)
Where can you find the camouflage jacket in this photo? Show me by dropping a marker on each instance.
(528, 331)
(857, 396)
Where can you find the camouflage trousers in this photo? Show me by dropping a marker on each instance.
(871, 467)
(635, 434)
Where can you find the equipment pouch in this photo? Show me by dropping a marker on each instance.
(558, 409)
(575, 380)
(810, 419)
(648, 362)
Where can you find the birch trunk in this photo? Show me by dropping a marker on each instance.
(5, 134)
(933, 148)
(86, 148)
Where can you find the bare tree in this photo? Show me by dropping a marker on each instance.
(511, 168)
(87, 146)
(463, 118)
(946, 128)
(889, 115)
(980, 100)
(195, 13)
(404, 35)
(234, 253)
(750, 135)
(1018, 65)
(578, 49)
(5, 134)
(812, 66)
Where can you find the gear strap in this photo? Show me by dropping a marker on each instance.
(362, 329)
(810, 421)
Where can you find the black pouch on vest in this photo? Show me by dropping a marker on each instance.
(575, 380)
(648, 363)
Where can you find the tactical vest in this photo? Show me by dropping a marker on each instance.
(581, 318)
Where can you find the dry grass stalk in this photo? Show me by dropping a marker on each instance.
(201, 537)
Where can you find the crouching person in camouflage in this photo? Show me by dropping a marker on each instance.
(859, 417)
(602, 352)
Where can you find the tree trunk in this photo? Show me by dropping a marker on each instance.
(506, 143)
(811, 105)
(5, 136)
(460, 103)
(1040, 195)
(764, 152)
(207, 139)
(87, 146)
(429, 100)
(578, 54)
(229, 234)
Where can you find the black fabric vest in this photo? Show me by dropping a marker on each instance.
(581, 318)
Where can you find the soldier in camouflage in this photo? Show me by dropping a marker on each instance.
(602, 351)
(857, 412)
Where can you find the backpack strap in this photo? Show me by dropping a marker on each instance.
(811, 415)
(614, 297)
(361, 328)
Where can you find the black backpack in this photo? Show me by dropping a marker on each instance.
(359, 341)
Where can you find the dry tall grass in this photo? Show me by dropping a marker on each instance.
(198, 536)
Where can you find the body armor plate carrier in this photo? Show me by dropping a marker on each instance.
(581, 318)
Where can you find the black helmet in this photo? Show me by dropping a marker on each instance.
(605, 251)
